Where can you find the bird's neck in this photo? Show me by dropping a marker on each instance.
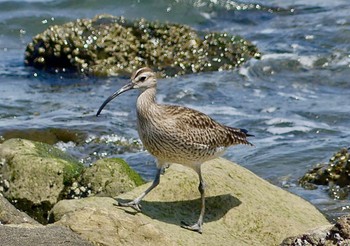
(146, 102)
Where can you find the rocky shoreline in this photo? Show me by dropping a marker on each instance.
(242, 208)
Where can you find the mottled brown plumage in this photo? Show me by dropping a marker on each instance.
(176, 134)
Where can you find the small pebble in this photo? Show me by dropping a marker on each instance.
(6, 184)
(74, 185)
(77, 191)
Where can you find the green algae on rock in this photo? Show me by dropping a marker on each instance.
(107, 45)
(335, 174)
(110, 177)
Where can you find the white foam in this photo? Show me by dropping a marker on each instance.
(304, 61)
(284, 130)
(307, 61)
(64, 146)
(275, 56)
(296, 124)
(268, 31)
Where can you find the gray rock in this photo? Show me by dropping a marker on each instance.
(317, 236)
(338, 234)
(30, 235)
(10, 215)
(242, 209)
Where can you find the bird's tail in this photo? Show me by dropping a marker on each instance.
(246, 133)
(238, 136)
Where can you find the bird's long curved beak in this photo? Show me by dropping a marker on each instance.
(115, 94)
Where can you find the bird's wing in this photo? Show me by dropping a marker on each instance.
(198, 128)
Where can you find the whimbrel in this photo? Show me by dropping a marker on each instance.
(176, 134)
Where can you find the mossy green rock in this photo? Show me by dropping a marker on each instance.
(110, 177)
(242, 209)
(108, 45)
(37, 175)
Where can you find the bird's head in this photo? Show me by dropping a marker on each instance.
(142, 78)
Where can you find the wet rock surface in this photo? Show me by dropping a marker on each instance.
(335, 174)
(108, 45)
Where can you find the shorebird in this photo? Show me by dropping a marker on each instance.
(176, 134)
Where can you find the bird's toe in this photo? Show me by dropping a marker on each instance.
(196, 227)
(132, 204)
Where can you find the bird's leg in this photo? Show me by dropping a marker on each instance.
(135, 204)
(198, 226)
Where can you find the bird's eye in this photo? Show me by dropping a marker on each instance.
(143, 78)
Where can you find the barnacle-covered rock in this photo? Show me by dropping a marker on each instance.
(107, 45)
(335, 174)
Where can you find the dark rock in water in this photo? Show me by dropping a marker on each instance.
(49, 135)
(335, 174)
(36, 175)
(108, 45)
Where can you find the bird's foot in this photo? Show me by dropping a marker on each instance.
(196, 227)
(132, 204)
